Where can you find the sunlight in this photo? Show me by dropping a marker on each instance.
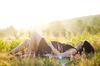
(25, 13)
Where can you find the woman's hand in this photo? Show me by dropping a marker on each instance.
(55, 51)
(50, 45)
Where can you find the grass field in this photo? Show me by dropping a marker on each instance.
(91, 60)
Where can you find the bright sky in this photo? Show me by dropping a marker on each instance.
(26, 13)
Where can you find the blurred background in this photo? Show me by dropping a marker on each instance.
(53, 18)
(66, 21)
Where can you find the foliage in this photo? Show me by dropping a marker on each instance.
(89, 24)
(67, 31)
(7, 45)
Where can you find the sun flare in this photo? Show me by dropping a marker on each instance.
(24, 13)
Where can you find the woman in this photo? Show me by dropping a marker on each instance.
(37, 45)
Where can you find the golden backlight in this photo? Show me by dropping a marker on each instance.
(27, 13)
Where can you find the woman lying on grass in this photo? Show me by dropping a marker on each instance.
(38, 46)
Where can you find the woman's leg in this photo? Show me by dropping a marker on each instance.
(31, 43)
(20, 46)
(34, 42)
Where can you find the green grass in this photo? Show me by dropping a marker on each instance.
(91, 60)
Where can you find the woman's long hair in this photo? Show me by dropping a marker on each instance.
(86, 46)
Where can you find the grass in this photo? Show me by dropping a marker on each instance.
(91, 60)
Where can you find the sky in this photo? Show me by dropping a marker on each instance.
(27, 13)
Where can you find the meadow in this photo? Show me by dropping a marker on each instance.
(91, 60)
(66, 31)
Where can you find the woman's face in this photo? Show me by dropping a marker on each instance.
(79, 45)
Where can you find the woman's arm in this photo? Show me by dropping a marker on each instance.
(55, 51)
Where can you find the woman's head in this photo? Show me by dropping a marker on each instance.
(88, 48)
